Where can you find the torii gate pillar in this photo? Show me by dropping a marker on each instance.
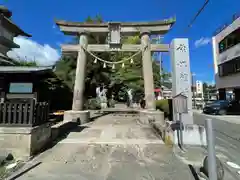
(147, 71)
(79, 85)
(77, 113)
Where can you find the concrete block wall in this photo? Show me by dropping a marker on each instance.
(24, 142)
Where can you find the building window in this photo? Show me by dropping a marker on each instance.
(229, 67)
(230, 40)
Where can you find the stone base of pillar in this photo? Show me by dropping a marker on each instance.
(80, 117)
(146, 116)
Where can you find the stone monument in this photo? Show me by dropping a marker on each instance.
(103, 98)
(181, 76)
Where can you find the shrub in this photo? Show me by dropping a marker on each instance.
(163, 106)
(92, 104)
(111, 103)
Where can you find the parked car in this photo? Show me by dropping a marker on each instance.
(217, 107)
(222, 107)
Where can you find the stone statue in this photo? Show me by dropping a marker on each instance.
(130, 98)
(101, 94)
(98, 92)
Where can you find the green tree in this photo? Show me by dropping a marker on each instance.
(25, 63)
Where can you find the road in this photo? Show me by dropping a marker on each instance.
(227, 132)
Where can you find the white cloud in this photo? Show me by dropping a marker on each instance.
(44, 55)
(201, 42)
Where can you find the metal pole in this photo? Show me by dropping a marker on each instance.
(181, 129)
(193, 91)
(160, 65)
(212, 167)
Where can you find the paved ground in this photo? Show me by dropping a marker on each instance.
(110, 148)
(196, 155)
(227, 132)
(235, 119)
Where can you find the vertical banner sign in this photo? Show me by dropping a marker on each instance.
(181, 75)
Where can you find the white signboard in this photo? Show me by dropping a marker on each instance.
(21, 88)
(181, 75)
(199, 87)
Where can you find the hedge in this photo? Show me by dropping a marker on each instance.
(164, 105)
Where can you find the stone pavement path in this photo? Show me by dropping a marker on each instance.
(110, 148)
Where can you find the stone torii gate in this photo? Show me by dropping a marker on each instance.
(113, 31)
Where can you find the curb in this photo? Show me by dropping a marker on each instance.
(165, 132)
(27, 167)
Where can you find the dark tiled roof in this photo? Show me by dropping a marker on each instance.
(4, 60)
(6, 22)
(8, 43)
(24, 69)
(5, 11)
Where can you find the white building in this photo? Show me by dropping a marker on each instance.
(199, 88)
(167, 93)
(226, 54)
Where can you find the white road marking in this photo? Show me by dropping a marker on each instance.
(233, 165)
(238, 172)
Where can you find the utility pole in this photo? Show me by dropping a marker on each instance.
(160, 65)
(193, 90)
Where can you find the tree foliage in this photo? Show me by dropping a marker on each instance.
(25, 63)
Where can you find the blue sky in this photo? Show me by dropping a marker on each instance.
(37, 18)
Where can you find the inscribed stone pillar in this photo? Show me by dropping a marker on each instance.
(79, 85)
(181, 76)
(147, 71)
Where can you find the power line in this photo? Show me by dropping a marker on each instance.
(198, 13)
